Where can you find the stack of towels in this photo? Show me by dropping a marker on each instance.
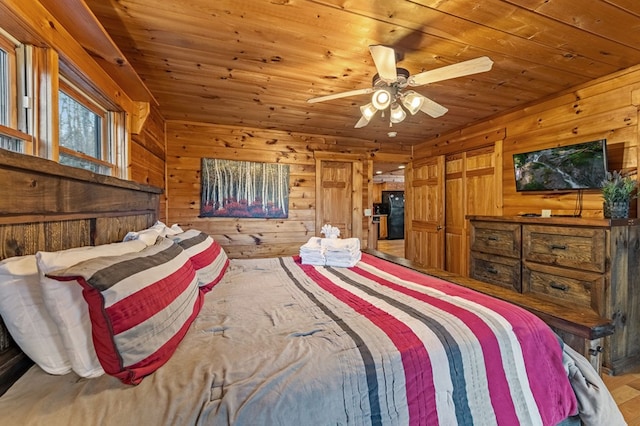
(341, 252)
(331, 251)
(311, 252)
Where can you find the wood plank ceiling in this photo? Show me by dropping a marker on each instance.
(256, 62)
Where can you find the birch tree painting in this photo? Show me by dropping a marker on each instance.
(244, 189)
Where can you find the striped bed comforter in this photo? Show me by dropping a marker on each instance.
(281, 343)
(381, 344)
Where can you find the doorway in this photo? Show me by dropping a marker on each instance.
(394, 200)
(388, 202)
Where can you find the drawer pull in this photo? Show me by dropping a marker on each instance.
(492, 270)
(492, 238)
(558, 247)
(559, 286)
(595, 351)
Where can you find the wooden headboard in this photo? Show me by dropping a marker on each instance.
(48, 207)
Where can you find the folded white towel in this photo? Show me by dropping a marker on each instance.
(312, 245)
(344, 262)
(340, 244)
(311, 252)
(306, 260)
(330, 231)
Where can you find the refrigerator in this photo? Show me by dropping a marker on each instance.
(395, 219)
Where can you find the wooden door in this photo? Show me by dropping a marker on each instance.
(472, 183)
(336, 186)
(339, 194)
(424, 212)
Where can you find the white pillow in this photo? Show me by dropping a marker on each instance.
(175, 229)
(147, 236)
(26, 317)
(68, 308)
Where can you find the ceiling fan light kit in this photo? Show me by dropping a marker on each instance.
(368, 111)
(390, 81)
(412, 101)
(397, 113)
(381, 99)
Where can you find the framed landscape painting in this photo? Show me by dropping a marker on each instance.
(247, 189)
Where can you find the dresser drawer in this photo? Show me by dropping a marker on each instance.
(503, 239)
(580, 248)
(498, 270)
(566, 287)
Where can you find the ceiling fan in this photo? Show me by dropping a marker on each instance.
(390, 81)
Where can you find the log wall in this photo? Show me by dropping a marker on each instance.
(188, 143)
(148, 154)
(604, 108)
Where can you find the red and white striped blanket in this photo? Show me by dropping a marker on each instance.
(467, 358)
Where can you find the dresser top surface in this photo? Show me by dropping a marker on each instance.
(558, 220)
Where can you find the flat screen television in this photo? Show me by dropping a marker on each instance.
(571, 167)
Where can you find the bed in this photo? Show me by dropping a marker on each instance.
(275, 341)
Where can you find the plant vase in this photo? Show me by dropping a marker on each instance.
(616, 209)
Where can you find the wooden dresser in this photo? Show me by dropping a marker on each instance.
(582, 264)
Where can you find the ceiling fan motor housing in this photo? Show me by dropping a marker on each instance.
(401, 82)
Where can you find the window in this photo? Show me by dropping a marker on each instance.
(83, 132)
(11, 137)
(49, 108)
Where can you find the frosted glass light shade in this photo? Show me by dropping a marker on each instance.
(397, 113)
(368, 111)
(361, 123)
(412, 101)
(381, 99)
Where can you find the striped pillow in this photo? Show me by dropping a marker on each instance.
(140, 304)
(207, 256)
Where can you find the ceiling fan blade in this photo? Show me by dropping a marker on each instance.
(385, 59)
(340, 95)
(433, 108)
(472, 66)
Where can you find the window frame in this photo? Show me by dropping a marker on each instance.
(106, 148)
(12, 129)
(37, 75)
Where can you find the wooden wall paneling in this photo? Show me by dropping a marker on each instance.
(369, 236)
(358, 196)
(188, 143)
(604, 108)
(393, 186)
(147, 168)
(148, 155)
(410, 199)
(152, 135)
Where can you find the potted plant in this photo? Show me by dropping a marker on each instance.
(617, 192)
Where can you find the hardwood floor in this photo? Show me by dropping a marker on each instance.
(625, 388)
(393, 247)
(626, 392)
